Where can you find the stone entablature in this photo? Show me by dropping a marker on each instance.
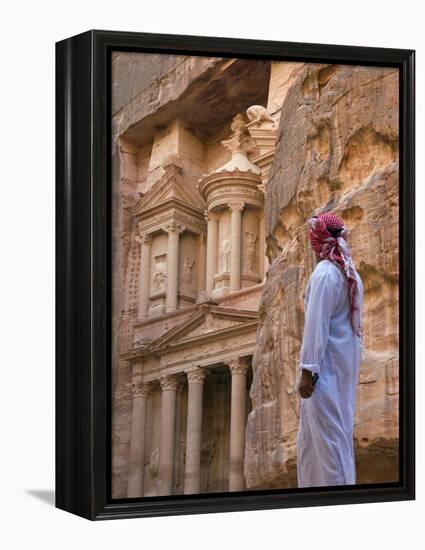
(220, 188)
(146, 331)
(212, 334)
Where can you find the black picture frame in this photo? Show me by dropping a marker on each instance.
(83, 172)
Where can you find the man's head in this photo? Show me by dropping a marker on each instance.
(322, 229)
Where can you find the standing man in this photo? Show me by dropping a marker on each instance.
(331, 349)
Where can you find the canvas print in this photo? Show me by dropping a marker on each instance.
(255, 275)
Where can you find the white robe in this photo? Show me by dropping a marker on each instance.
(325, 454)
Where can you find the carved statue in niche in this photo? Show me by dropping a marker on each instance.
(240, 140)
(154, 463)
(187, 272)
(159, 276)
(208, 450)
(250, 251)
(238, 123)
(224, 254)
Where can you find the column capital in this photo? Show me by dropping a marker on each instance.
(238, 365)
(140, 389)
(196, 374)
(236, 206)
(145, 389)
(169, 382)
(143, 237)
(210, 215)
(174, 227)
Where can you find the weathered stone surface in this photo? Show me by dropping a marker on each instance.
(133, 73)
(337, 149)
(173, 117)
(203, 91)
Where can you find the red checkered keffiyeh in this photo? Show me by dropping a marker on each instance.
(335, 248)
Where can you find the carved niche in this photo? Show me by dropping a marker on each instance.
(186, 276)
(159, 275)
(224, 255)
(249, 252)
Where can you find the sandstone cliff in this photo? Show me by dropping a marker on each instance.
(337, 149)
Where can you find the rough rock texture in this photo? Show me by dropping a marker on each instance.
(201, 90)
(337, 149)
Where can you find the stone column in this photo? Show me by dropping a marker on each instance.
(201, 263)
(238, 369)
(145, 240)
(169, 385)
(137, 442)
(262, 268)
(178, 471)
(212, 243)
(235, 244)
(173, 229)
(192, 476)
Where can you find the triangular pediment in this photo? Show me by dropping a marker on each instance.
(171, 188)
(209, 321)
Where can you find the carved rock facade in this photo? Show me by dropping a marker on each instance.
(212, 160)
(192, 150)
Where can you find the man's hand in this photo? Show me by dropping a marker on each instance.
(305, 386)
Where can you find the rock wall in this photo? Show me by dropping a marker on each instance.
(337, 149)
